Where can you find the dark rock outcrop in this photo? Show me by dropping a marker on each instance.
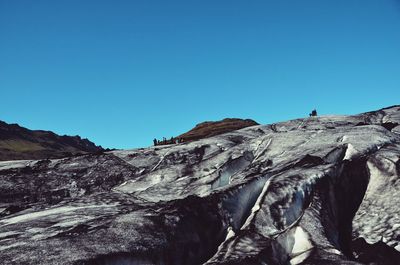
(212, 128)
(18, 143)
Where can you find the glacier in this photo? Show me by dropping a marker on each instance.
(314, 190)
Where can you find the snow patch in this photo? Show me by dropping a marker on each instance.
(4, 165)
(302, 246)
(333, 251)
(350, 152)
(397, 247)
(230, 233)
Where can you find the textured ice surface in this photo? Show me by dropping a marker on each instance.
(295, 192)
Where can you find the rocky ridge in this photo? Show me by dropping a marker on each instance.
(212, 128)
(18, 143)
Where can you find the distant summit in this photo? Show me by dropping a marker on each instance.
(17, 143)
(212, 128)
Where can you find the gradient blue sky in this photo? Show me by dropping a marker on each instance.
(123, 72)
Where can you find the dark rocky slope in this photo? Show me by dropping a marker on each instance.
(213, 128)
(318, 190)
(18, 143)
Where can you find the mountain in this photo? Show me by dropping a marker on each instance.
(212, 128)
(314, 190)
(18, 143)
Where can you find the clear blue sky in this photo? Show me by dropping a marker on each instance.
(123, 72)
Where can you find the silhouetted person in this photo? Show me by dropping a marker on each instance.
(155, 141)
(313, 113)
(164, 140)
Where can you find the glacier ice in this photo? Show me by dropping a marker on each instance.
(320, 190)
